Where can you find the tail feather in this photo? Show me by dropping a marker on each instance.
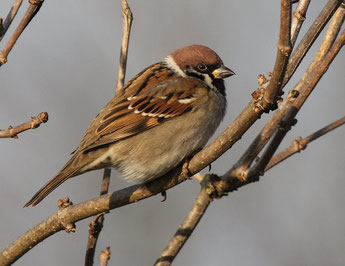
(49, 187)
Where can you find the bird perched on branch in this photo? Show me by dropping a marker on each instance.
(162, 116)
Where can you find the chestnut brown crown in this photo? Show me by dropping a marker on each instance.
(196, 54)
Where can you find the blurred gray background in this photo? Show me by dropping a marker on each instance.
(65, 63)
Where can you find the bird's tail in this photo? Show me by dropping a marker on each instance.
(48, 187)
(69, 170)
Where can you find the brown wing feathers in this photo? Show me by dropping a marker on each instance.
(139, 114)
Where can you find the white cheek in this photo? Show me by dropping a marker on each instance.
(170, 62)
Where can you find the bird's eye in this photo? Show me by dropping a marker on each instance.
(202, 67)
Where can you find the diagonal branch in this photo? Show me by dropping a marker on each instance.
(309, 38)
(231, 181)
(32, 10)
(10, 17)
(298, 18)
(289, 119)
(299, 144)
(35, 122)
(240, 169)
(185, 229)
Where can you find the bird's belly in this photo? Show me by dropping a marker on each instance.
(147, 156)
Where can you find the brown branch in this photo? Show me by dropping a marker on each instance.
(96, 225)
(32, 10)
(331, 34)
(10, 17)
(185, 229)
(305, 86)
(240, 169)
(309, 38)
(231, 181)
(289, 120)
(316, 70)
(299, 144)
(283, 53)
(299, 16)
(12, 132)
(126, 29)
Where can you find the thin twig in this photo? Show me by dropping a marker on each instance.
(35, 122)
(32, 10)
(126, 30)
(331, 34)
(298, 18)
(185, 229)
(96, 225)
(309, 38)
(10, 17)
(283, 53)
(299, 144)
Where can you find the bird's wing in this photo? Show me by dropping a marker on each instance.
(132, 115)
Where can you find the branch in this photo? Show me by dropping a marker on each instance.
(298, 19)
(309, 38)
(283, 54)
(35, 122)
(240, 169)
(185, 229)
(96, 225)
(10, 17)
(231, 181)
(289, 119)
(32, 10)
(299, 144)
(126, 29)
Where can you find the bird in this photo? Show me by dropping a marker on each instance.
(162, 116)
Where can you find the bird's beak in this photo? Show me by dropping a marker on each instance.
(222, 72)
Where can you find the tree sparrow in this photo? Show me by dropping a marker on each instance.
(163, 115)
